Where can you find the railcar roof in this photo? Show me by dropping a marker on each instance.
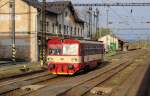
(75, 41)
(92, 42)
(83, 41)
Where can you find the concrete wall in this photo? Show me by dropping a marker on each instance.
(26, 32)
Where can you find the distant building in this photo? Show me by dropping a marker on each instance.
(111, 42)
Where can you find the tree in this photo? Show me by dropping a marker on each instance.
(101, 32)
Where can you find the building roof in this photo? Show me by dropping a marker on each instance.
(57, 7)
(113, 35)
(34, 3)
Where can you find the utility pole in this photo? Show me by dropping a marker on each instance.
(91, 16)
(90, 22)
(12, 12)
(97, 21)
(107, 10)
(43, 34)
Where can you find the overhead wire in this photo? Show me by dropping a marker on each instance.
(118, 15)
(132, 29)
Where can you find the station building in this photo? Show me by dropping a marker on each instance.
(63, 20)
(60, 21)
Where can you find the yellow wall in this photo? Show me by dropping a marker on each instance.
(22, 17)
(26, 29)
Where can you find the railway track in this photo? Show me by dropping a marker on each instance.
(64, 88)
(16, 83)
(82, 89)
(49, 85)
(135, 84)
(125, 83)
(54, 89)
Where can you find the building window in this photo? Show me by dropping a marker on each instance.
(66, 14)
(64, 29)
(75, 31)
(53, 28)
(81, 32)
(59, 30)
(71, 30)
(78, 31)
(47, 26)
(67, 29)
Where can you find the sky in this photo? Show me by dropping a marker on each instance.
(122, 17)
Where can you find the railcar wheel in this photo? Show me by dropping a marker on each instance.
(87, 68)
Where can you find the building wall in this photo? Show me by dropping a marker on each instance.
(63, 24)
(74, 28)
(107, 40)
(26, 31)
(50, 23)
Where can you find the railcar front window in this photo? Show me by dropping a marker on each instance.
(70, 49)
(54, 51)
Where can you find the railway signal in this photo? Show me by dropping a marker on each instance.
(12, 11)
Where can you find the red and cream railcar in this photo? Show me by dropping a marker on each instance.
(68, 56)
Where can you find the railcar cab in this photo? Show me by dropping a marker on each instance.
(63, 56)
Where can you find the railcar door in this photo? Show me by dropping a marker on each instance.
(82, 53)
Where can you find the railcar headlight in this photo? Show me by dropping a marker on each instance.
(51, 66)
(49, 59)
(74, 59)
(70, 66)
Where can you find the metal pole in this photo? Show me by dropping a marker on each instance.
(91, 16)
(107, 10)
(107, 16)
(43, 35)
(97, 21)
(12, 11)
(89, 23)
